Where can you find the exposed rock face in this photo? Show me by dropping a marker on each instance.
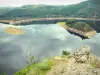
(79, 63)
(88, 34)
(82, 54)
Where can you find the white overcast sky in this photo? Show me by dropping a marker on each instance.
(48, 2)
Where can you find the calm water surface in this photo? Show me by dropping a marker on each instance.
(43, 41)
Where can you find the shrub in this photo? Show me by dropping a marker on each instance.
(65, 52)
(80, 26)
(70, 22)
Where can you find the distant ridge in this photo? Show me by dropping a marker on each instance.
(82, 10)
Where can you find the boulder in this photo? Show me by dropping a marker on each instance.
(82, 54)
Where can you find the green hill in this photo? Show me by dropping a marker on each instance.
(86, 9)
(4, 10)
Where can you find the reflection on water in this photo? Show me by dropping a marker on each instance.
(43, 41)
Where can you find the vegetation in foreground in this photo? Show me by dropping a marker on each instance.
(40, 68)
(36, 68)
(67, 64)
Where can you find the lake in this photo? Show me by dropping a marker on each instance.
(43, 41)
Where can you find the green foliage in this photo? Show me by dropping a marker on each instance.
(65, 52)
(45, 11)
(45, 65)
(31, 59)
(4, 10)
(96, 2)
(81, 26)
(84, 9)
(70, 22)
(61, 23)
(36, 68)
(28, 68)
(25, 70)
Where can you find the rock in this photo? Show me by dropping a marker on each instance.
(82, 54)
(79, 63)
(58, 58)
(96, 71)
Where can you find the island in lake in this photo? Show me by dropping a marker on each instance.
(81, 29)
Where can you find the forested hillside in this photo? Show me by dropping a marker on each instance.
(86, 9)
(4, 10)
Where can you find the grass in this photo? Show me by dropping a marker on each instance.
(36, 68)
(61, 23)
(77, 25)
(81, 26)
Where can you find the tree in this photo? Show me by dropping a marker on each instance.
(96, 2)
(71, 22)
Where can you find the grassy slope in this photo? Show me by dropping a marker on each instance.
(81, 26)
(36, 68)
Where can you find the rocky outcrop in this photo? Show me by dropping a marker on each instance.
(82, 54)
(81, 62)
(78, 63)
